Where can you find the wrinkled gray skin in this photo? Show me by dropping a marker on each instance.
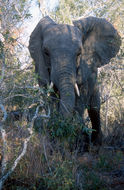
(66, 55)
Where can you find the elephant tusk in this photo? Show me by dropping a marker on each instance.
(51, 85)
(77, 89)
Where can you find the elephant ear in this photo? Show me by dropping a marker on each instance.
(35, 49)
(100, 39)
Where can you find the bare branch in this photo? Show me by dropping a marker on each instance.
(3, 68)
(4, 159)
(4, 163)
(16, 95)
(4, 112)
(2, 180)
(3, 132)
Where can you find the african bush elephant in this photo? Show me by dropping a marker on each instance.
(68, 56)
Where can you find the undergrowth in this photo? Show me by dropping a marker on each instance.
(53, 161)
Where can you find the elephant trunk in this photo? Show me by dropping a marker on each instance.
(67, 98)
(63, 75)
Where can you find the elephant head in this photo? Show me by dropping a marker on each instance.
(68, 56)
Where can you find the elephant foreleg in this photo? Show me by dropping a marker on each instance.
(94, 114)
